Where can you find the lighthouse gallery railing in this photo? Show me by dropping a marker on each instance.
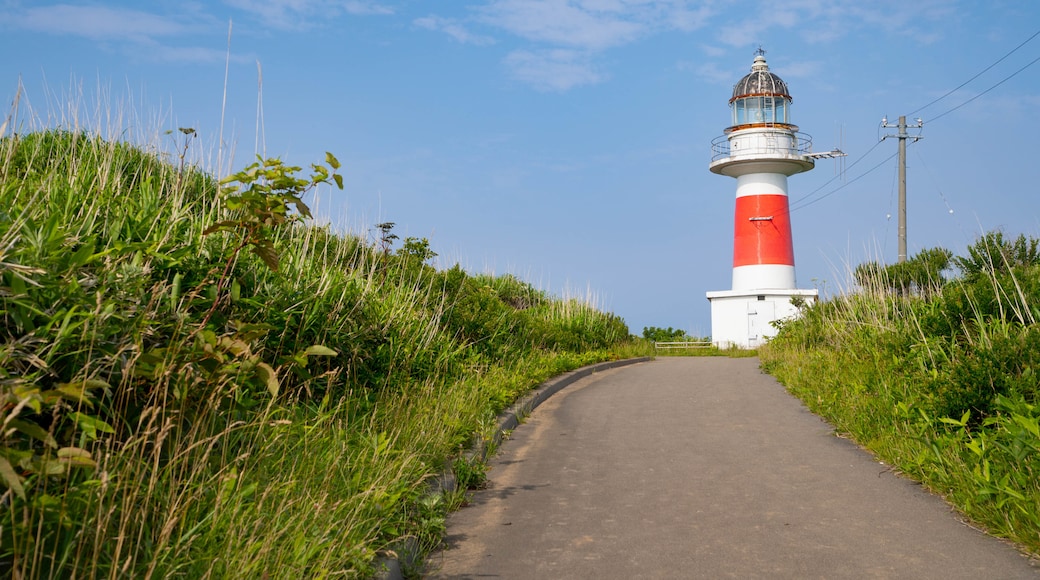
(720, 147)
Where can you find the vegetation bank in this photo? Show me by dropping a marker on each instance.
(934, 365)
(197, 381)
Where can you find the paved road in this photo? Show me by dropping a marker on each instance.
(702, 468)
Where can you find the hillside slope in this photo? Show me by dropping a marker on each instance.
(199, 382)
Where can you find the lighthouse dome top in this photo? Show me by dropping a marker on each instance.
(760, 82)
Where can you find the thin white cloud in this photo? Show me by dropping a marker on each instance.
(1012, 105)
(141, 35)
(452, 28)
(195, 54)
(715, 51)
(277, 13)
(148, 33)
(566, 36)
(825, 21)
(359, 8)
(819, 22)
(595, 24)
(586, 25)
(554, 70)
(802, 69)
(96, 22)
(709, 71)
(681, 17)
(298, 14)
(750, 31)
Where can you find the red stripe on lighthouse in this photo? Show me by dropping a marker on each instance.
(762, 231)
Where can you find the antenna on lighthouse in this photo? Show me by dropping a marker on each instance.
(835, 153)
(841, 160)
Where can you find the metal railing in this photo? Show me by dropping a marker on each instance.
(720, 147)
(682, 344)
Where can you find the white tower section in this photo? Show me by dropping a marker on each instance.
(761, 149)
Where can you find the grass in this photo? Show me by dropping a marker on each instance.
(937, 376)
(198, 382)
(731, 352)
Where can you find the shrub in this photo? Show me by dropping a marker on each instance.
(664, 334)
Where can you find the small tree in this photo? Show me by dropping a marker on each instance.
(663, 334)
(386, 237)
(992, 254)
(921, 274)
(260, 200)
(416, 250)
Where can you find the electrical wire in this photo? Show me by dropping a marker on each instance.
(1011, 76)
(888, 214)
(983, 71)
(831, 180)
(841, 187)
(801, 202)
(935, 182)
(798, 204)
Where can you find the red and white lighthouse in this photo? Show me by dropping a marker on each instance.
(761, 149)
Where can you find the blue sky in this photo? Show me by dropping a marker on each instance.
(568, 141)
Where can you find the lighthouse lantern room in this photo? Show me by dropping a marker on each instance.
(761, 149)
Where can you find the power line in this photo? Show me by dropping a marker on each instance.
(1011, 76)
(935, 182)
(843, 186)
(829, 181)
(797, 204)
(888, 215)
(982, 72)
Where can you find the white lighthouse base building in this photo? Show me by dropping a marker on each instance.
(745, 318)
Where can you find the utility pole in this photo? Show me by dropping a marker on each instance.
(902, 135)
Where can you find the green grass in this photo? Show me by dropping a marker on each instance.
(174, 406)
(731, 352)
(937, 377)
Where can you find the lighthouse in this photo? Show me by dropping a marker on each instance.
(761, 149)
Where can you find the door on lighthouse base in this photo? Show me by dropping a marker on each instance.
(761, 313)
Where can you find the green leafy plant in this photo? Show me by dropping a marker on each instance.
(416, 250)
(470, 473)
(261, 196)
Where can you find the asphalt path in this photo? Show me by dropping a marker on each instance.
(702, 468)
